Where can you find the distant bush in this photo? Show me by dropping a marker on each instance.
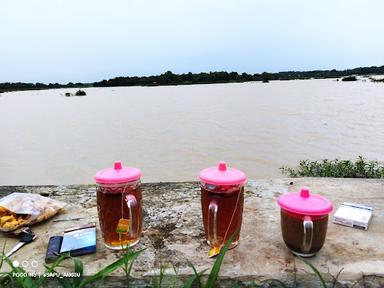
(67, 94)
(265, 77)
(80, 93)
(361, 168)
(349, 78)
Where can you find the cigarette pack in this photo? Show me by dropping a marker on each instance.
(79, 240)
(353, 215)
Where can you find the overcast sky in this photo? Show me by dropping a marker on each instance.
(80, 41)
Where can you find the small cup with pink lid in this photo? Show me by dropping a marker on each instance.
(119, 205)
(222, 201)
(304, 221)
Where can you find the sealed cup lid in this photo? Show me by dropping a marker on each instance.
(222, 175)
(305, 203)
(117, 174)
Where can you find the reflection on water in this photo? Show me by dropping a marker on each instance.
(173, 132)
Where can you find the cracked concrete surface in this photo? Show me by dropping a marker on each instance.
(173, 233)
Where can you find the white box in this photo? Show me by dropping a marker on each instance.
(353, 215)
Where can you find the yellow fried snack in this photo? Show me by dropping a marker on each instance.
(10, 224)
(13, 224)
(9, 218)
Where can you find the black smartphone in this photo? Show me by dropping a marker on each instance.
(53, 249)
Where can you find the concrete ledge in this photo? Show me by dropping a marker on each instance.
(173, 233)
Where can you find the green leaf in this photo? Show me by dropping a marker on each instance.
(219, 260)
(51, 268)
(4, 279)
(65, 282)
(161, 277)
(79, 268)
(2, 255)
(127, 267)
(176, 278)
(191, 280)
(128, 272)
(25, 282)
(197, 276)
(110, 268)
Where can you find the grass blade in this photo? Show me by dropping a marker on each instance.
(191, 280)
(176, 278)
(197, 275)
(219, 260)
(321, 279)
(79, 268)
(128, 270)
(50, 269)
(7, 276)
(335, 279)
(25, 282)
(65, 283)
(2, 255)
(161, 276)
(110, 268)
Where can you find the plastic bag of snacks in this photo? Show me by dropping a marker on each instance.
(23, 209)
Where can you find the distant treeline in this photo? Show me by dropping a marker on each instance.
(169, 78)
(16, 86)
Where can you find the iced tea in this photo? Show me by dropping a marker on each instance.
(226, 201)
(120, 213)
(293, 232)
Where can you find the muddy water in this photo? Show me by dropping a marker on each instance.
(173, 132)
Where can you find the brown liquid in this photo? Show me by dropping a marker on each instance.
(293, 232)
(226, 203)
(112, 207)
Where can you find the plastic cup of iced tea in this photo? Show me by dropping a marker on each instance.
(222, 201)
(304, 221)
(119, 205)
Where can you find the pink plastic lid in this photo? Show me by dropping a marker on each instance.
(117, 174)
(222, 175)
(305, 203)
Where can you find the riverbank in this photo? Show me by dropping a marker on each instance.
(173, 233)
(169, 78)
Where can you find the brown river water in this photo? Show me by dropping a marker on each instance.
(172, 132)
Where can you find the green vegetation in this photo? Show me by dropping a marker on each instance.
(169, 78)
(19, 86)
(18, 277)
(361, 168)
(265, 77)
(349, 78)
(80, 93)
